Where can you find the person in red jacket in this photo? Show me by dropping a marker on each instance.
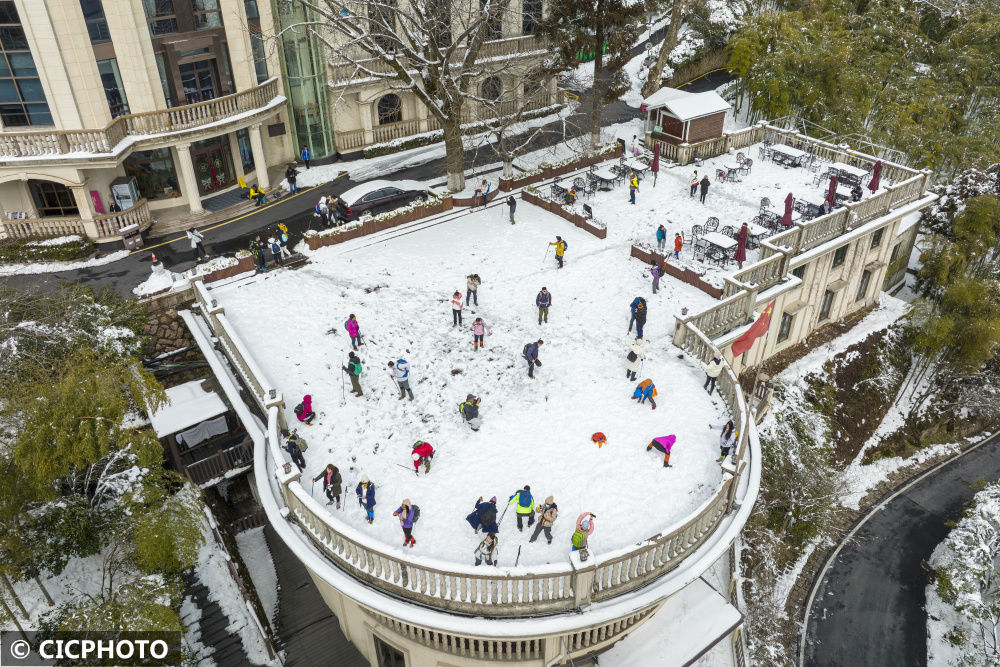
(678, 244)
(422, 453)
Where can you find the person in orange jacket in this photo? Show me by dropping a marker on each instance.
(645, 391)
(678, 244)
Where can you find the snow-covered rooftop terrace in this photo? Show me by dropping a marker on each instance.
(535, 432)
(669, 203)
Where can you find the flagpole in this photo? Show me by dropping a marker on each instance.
(763, 350)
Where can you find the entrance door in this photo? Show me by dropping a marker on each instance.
(199, 80)
(213, 164)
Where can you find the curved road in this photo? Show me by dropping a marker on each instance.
(868, 607)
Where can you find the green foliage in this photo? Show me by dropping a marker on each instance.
(944, 586)
(167, 531)
(904, 74)
(28, 250)
(147, 604)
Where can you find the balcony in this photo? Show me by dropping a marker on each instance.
(353, 140)
(344, 73)
(102, 229)
(139, 127)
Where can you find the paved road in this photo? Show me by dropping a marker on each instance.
(869, 606)
(296, 211)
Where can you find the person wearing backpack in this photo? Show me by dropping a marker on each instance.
(408, 515)
(469, 409)
(292, 447)
(331, 483)
(635, 356)
(656, 272)
(473, 281)
(549, 512)
(353, 370)
(638, 309)
(530, 353)
(422, 453)
(366, 497)
(560, 250)
(543, 301)
(353, 330)
(484, 516)
(456, 308)
(275, 251)
(486, 549)
(400, 370)
(479, 329)
(304, 411)
(585, 525)
(525, 506)
(282, 237)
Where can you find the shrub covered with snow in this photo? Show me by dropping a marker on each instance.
(62, 249)
(967, 568)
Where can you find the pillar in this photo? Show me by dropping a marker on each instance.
(365, 109)
(82, 198)
(234, 151)
(188, 177)
(260, 164)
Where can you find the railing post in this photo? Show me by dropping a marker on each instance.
(275, 399)
(583, 580)
(683, 154)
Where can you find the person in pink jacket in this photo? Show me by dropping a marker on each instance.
(456, 309)
(664, 444)
(585, 525)
(353, 330)
(479, 329)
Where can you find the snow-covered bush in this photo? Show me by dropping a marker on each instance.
(62, 249)
(968, 573)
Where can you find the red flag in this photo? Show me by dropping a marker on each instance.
(758, 329)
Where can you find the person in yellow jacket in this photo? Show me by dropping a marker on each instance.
(633, 187)
(560, 250)
(525, 507)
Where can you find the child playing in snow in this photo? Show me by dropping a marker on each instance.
(478, 329)
(470, 411)
(585, 525)
(366, 497)
(599, 439)
(304, 410)
(456, 308)
(645, 391)
(664, 444)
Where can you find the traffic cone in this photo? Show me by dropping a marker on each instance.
(154, 258)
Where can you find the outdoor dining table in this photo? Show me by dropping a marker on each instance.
(719, 240)
(604, 177)
(757, 230)
(792, 157)
(637, 166)
(847, 173)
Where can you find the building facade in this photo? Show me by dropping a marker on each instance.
(116, 112)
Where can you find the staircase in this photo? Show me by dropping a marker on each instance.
(223, 648)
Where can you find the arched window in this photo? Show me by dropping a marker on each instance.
(531, 16)
(491, 88)
(390, 109)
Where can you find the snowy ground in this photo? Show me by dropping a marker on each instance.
(535, 432)
(256, 555)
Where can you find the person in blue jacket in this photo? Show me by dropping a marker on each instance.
(484, 517)
(531, 354)
(661, 237)
(366, 489)
(306, 155)
(638, 308)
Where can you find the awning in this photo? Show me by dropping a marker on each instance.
(187, 404)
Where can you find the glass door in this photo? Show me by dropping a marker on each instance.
(213, 164)
(199, 81)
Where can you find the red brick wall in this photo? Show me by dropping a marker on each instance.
(688, 276)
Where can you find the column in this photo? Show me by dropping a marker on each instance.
(260, 164)
(188, 177)
(234, 150)
(365, 109)
(82, 198)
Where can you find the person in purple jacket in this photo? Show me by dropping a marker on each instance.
(664, 444)
(657, 273)
(407, 514)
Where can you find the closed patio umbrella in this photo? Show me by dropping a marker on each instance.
(876, 174)
(831, 196)
(655, 167)
(786, 219)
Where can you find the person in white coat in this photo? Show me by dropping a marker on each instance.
(197, 243)
(634, 357)
(713, 369)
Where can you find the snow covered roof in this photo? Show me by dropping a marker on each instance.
(359, 191)
(187, 404)
(686, 106)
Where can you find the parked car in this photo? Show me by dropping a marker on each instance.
(378, 197)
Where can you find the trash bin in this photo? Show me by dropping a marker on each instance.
(131, 237)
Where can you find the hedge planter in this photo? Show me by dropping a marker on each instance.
(370, 225)
(685, 275)
(586, 224)
(242, 265)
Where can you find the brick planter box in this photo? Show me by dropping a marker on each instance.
(688, 276)
(476, 201)
(553, 207)
(242, 266)
(371, 226)
(554, 172)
